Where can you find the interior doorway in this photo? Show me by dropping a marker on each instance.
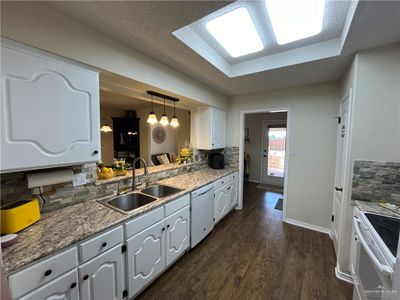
(273, 153)
(264, 143)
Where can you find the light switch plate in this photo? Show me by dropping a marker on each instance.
(79, 179)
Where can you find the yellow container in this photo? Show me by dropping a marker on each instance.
(19, 215)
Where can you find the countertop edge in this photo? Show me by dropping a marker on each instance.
(10, 267)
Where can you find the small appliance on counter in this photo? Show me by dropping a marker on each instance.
(19, 215)
(216, 160)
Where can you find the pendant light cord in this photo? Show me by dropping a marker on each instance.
(164, 106)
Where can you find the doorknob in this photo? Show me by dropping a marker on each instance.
(338, 189)
(265, 156)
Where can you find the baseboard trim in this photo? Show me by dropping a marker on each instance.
(343, 276)
(308, 226)
(255, 181)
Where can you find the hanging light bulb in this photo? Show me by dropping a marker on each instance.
(174, 120)
(152, 119)
(164, 119)
(106, 127)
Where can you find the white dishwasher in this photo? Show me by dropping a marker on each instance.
(202, 213)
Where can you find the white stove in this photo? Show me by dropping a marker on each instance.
(373, 264)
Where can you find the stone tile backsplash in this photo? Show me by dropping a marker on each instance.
(376, 181)
(14, 186)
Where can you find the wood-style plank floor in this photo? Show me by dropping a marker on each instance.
(252, 254)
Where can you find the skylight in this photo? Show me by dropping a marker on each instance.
(235, 31)
(294, 20)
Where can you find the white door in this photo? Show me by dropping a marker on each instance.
(146, 257)
(177, 234)
(50, 112)
(221, 202)
(218, 129)
(273, 155)
(342, 139)
(102, 277)
(64, 287)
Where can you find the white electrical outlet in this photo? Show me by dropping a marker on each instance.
(79, 179)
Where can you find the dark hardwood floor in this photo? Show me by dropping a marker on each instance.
(252, 254)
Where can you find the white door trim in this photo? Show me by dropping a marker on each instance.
(342, 215)
(241, 152)
(268, 122)
(347, 177)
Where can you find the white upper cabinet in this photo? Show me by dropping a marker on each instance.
(211, 128)
(49, 110)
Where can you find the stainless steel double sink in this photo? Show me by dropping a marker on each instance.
(131, 201)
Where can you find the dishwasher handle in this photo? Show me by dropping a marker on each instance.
(202, 191)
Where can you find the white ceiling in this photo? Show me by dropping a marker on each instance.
(109, 99)
(148, 25)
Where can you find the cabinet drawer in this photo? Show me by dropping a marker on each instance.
(42, 272)
(142, 222)
(100, 243)
(63, 287)
(176, 205)
(224, 180)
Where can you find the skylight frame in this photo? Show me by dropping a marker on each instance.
(294, 20)
(236, 32)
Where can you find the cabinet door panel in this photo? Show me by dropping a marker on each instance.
(146, 257)
(50, 111)
(218, 129)
(220, 203)
(64, 287)
(177, 234)
(233, 194)
(102, 277)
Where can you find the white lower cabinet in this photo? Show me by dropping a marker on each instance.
(177, 234)
(220, 203)
(145, 257)
(103, 276)
(233, 195)
(64, 287)
(226, 196)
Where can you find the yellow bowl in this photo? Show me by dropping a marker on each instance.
(106, 175)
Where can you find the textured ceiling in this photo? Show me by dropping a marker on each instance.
(147, 26)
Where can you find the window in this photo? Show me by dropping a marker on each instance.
(294, 20)
(236, 33)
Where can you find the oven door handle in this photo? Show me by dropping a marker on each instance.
(385, 270)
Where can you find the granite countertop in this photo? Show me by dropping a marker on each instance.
(64, 227)
(375, 208)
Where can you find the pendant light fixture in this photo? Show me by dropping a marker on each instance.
(152, 119)
(164, 119)
(174, 121)
(106, 126)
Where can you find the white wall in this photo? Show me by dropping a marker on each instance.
(375, 132)
(254, 122)
(41, 26)
(313, 130)
(175, 136)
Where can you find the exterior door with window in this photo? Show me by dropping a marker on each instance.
(273, 154)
